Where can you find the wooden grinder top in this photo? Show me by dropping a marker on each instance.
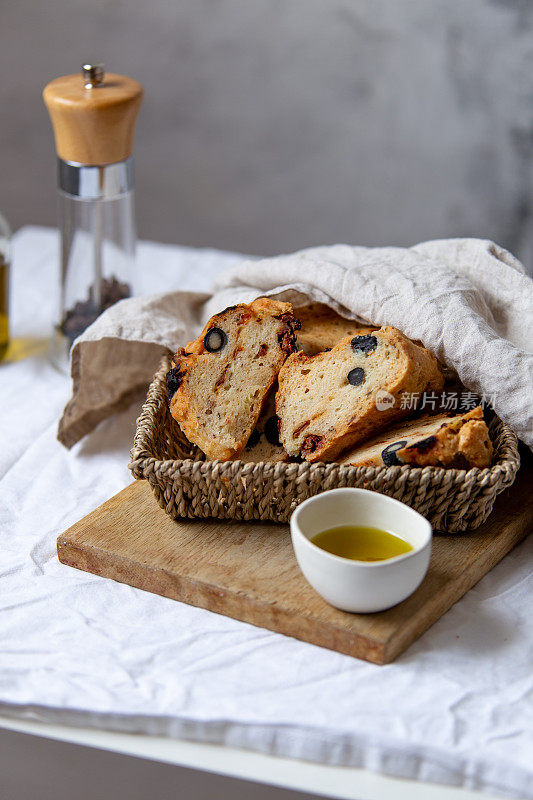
(93, 115)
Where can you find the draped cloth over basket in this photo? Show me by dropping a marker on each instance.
(469, 301)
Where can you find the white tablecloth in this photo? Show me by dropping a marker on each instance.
(456, 708)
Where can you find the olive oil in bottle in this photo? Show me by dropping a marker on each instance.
(361, 543)
(5, 234)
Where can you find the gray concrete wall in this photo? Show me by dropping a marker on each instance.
(270, 125)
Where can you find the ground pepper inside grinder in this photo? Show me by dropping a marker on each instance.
(93, 116)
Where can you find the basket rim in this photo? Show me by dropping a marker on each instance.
(142, 458)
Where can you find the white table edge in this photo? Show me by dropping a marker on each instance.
(345, 783)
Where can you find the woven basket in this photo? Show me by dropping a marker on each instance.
(185, 485)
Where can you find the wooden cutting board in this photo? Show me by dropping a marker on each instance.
(248, 571)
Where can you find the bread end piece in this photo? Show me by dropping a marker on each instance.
(461, 443)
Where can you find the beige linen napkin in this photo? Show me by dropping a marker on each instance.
(468, 300)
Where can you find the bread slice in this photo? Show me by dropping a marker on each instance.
(264, 443)
(462, 441)
(322, 328)
(330, 401)
(220, 381)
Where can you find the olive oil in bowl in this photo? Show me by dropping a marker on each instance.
(361, 543)
(356, 567)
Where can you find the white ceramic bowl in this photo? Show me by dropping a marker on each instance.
(361, 586)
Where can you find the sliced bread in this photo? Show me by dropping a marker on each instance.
(462, 441)
(322, 328)
(264, 443)
(328, 402)
(220, 381)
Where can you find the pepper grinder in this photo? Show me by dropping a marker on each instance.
(93, 116)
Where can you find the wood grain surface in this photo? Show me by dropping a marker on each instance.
(93, 126)
(248, 571)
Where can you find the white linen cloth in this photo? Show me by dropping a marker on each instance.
(469, 301)
(456, 708)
